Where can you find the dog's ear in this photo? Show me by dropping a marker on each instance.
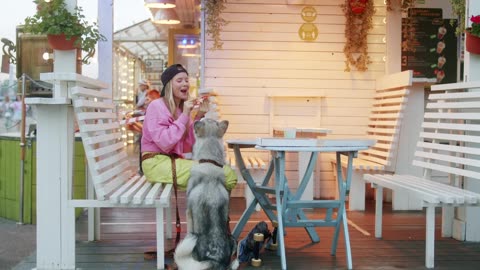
(223, 128)
(198, 126)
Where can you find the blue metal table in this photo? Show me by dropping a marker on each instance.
(287, 208)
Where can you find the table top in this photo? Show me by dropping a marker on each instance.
(303, 145)
(307, 130)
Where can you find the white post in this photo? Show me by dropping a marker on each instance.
(55, 219)
(105, 51)
(471, 71)
(393, 38)
(105, 73)
(65, 61)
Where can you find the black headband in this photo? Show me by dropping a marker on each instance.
(169, 73)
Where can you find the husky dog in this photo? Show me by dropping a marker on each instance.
(208, 243)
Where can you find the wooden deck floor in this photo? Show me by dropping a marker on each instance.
(127, 233)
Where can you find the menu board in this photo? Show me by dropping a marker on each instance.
(153, 72)
(429, 45)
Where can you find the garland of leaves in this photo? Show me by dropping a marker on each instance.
(458, 7)
(213, 10)
(357, 27)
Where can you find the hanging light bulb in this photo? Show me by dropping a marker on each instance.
(166, 16)
(160, 3)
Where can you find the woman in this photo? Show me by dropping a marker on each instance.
(168, 131)
(143, 87)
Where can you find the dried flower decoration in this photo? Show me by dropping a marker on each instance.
(214, 21)
(357, 26)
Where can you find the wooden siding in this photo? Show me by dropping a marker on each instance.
(263, 55)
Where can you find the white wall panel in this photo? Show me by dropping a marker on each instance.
(263, 55)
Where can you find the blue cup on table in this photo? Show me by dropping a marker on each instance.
(289, 132)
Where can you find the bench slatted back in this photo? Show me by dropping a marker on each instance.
(450, 140)
(384, 126)
(105, 151)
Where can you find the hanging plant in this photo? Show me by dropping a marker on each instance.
(458, 8)
(214, 21)
(357, 26)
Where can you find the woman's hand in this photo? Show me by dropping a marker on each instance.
(187, 106)
(203, 108)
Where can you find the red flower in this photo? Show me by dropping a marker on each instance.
(475, 29)
(475, 19)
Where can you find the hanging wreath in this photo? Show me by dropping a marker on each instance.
(357, 26)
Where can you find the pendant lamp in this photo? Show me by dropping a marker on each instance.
(166, 16)
(160, 3)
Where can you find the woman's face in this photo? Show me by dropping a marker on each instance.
(180, 86)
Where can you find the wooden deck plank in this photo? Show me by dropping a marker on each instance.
(402, 246)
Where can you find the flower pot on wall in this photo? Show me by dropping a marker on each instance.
(358, 6)
(60, 42)
(472, 43)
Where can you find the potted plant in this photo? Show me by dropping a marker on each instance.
(472, 36)
(65, 30)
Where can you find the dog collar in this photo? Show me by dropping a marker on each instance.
(210, 161)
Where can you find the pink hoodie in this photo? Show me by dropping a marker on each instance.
(163, 134)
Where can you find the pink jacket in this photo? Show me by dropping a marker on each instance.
(163, 134)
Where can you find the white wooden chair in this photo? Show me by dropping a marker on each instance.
(114, 183)
(449, 144)
(384, 126)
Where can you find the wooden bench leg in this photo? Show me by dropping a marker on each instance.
(448, 214)
(430, 237)
(356, 198)
(378, 211)
(160, 239)
(168, 222)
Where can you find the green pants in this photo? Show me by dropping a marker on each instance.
(159, 169)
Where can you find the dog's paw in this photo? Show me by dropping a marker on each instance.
(235, 264)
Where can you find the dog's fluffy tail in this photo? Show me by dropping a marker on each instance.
(183, 255)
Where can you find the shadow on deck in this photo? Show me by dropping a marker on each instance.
(127, 233)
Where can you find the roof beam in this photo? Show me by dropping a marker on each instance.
(143, 48)
(136, 39)
(160, 50)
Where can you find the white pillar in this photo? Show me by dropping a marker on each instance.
(64, 61)
(55, 219)
(393, 39)
(471, 73)
(105, 48)
(105, 74)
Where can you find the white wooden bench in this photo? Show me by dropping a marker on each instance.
(114, 183)
(384, 125)
(448, 144)
(257, 167)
